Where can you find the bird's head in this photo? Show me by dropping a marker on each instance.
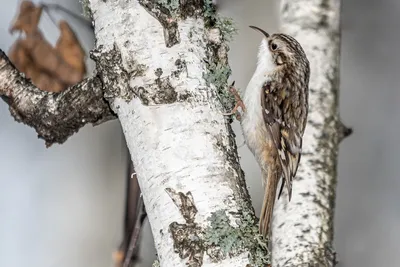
(279, 50)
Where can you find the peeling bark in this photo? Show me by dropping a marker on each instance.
(187, 237)
(303, 228)
(167, 20)
(54, 116)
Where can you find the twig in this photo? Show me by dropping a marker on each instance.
(135, 215)
(133, 244)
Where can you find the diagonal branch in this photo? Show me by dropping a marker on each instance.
(54, 116)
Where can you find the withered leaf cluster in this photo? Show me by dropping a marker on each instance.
(50, 68)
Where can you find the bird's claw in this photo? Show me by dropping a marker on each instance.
(234, 112)
(238, 103)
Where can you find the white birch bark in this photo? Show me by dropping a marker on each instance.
(303, 228)
(178, 138)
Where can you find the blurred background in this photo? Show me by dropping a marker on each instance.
(64, 206)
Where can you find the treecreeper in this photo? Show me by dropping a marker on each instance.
(275, 108)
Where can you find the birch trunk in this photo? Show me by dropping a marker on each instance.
(154, 68)
(303, 228)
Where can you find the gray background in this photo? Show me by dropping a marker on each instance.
(63, 206)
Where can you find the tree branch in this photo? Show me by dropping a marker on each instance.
(54, 116)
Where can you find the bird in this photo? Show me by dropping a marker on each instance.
(275, 109)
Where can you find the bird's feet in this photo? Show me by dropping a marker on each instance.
(238, 103)
(118, 257)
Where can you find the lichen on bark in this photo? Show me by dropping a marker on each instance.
(222, 240)
(220, 31)
(87, 13)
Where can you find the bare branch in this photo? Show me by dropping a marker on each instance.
(54, 116)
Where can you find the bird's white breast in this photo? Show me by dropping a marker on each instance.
(252, 122)
(253, 126)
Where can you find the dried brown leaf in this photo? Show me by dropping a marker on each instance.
(50, 68)
(70, 49)
(28, 18)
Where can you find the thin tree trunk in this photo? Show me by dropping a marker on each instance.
(303, 228)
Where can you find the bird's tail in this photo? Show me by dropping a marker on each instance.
(272, 179)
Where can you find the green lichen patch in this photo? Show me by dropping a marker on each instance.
(214, 20)
(188, 8)
(87, 12)
(220, 31)
(210, 12)
(222, 240)
(218, 75)
(171, 5)
(156, 263)
(227, 27)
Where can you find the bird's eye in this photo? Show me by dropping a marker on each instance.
(274, 46)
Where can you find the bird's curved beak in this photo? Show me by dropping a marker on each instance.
(260, 30)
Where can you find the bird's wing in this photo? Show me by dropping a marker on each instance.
(284, 133)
